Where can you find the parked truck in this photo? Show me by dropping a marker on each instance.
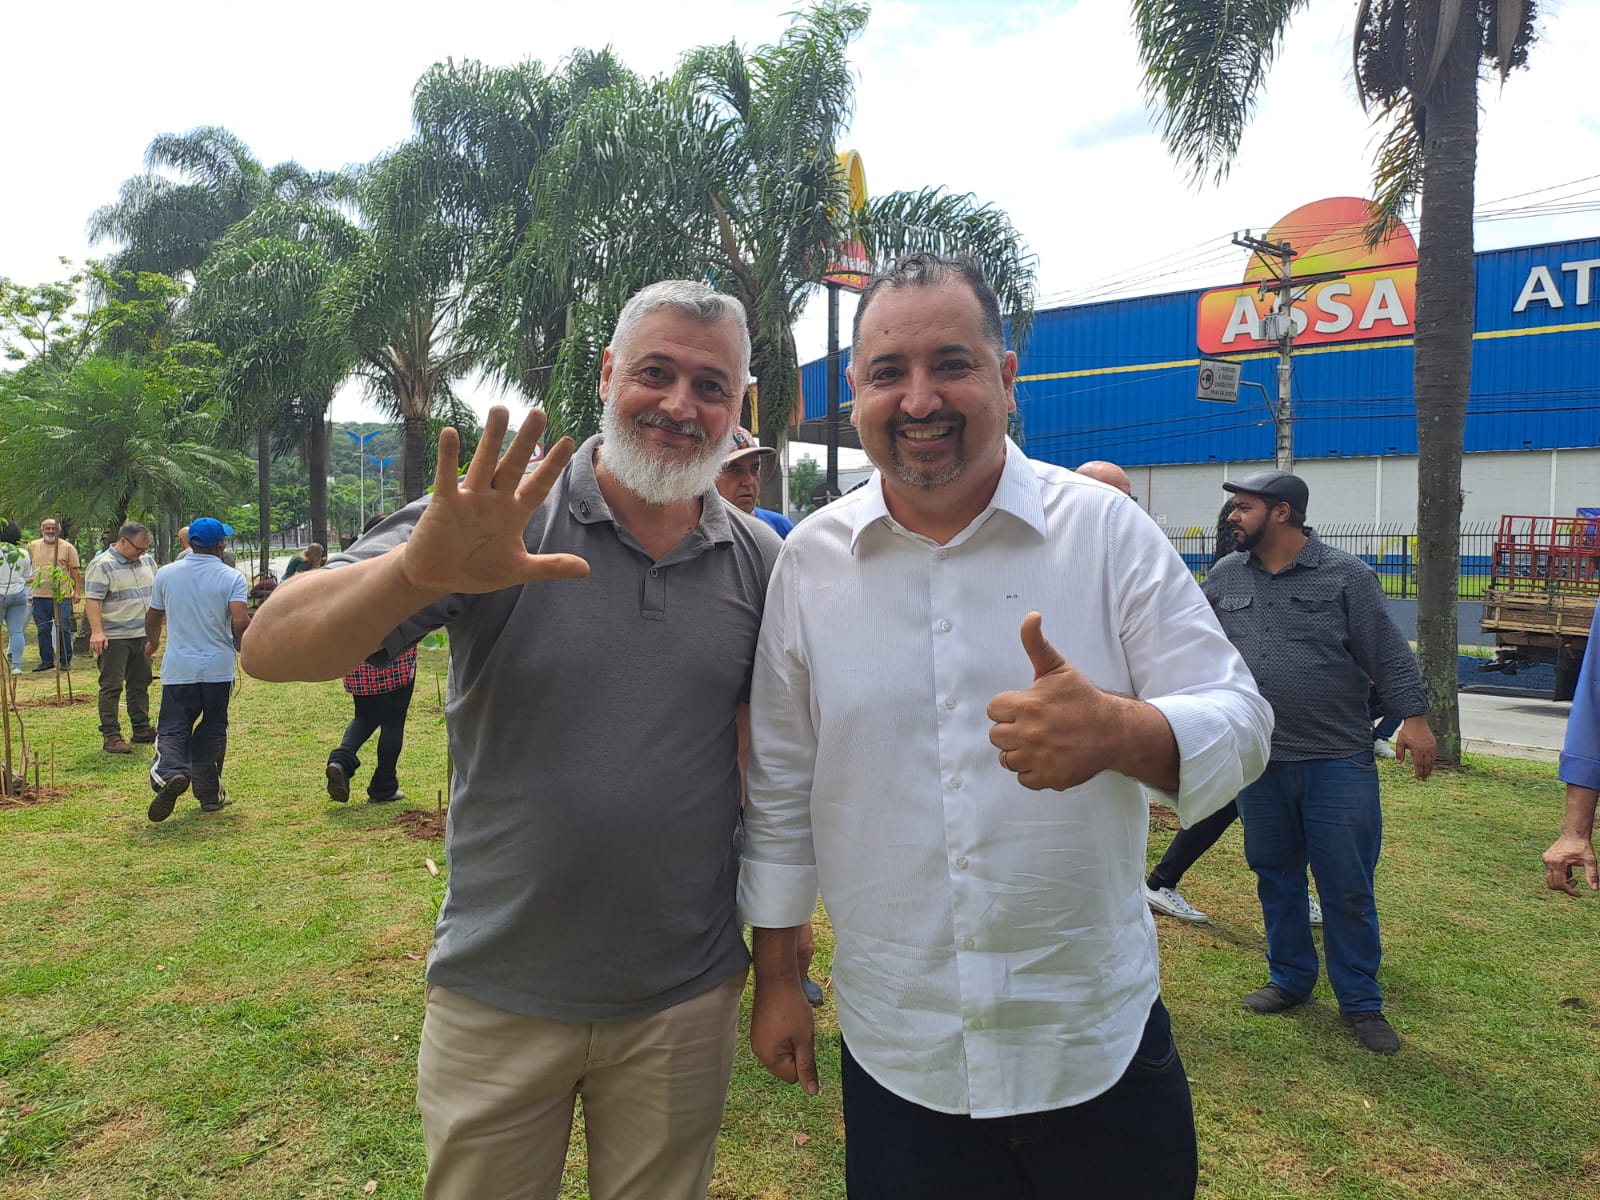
(1544, 582)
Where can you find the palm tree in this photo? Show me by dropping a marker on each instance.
(169, 225)
(261, 296)
(1416, 66)
(729, 171)
(115, 437)
(397, 300)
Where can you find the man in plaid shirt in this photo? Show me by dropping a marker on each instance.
(382, 699)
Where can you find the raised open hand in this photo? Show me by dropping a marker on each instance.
(469, 539)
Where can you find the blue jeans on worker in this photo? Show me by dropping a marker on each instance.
(1323, 813)
(1134, 1141)
(192, 737)
(49, 614)
(16, 623)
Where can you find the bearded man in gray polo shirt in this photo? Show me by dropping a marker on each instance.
(588, 944)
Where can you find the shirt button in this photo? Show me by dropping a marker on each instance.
(955, 784)
(945, 626)
(962, 862)
(583, 508)
(949, 701)
(969, 944)
(654, 571)
(943, 554)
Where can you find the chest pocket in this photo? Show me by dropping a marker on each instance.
(1236, 603)
(1317, 616)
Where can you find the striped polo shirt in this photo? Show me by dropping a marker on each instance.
(123, 589)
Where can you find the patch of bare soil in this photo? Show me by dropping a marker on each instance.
(423, 826)
(1162, 817)
(22, 793)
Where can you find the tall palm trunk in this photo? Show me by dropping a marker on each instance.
(1443, 363)
(317, 470)
(264, 493)
(775, 362)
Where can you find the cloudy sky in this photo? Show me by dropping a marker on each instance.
(1036, 107)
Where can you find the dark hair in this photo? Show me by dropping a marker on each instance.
(930, 270)
(9, 532)
(1226, 544)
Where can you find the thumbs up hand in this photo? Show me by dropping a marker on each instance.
(1054, 734)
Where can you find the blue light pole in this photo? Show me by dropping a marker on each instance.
(361, 440)
(381, 463)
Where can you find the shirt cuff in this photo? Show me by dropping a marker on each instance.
(776, 895)
(1215, 759)
(1580, 771)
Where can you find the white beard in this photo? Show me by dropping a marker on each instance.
(645, 471)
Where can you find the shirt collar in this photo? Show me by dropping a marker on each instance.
(588, 506)
(1311, 555)
(1019, 493)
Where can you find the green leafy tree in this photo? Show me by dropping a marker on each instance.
(1416, 68)
(729, 171)
(114, 438)
(804, 476)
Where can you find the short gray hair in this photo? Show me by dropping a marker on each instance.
(132, 529)
(698, 301)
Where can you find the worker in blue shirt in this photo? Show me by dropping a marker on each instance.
(1580, 771)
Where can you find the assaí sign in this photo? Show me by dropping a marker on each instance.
(1374, 298)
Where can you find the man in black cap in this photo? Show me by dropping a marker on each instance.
(1315, 631)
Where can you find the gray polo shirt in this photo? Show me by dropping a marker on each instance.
(594, 816)
(1315, 636)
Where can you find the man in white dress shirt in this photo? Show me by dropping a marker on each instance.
(967, 796)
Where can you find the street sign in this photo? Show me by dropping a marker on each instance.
(1218, 381)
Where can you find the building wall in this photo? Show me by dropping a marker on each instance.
(1362, 491)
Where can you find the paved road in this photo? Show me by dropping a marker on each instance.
(1513, 725)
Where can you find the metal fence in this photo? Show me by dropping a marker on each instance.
(1390, 550)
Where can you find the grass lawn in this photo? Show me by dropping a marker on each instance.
(228, 1005)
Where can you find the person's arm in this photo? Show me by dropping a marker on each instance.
(778, 877)
(1195, 727)
(468, 540)
(1575, 846)
(239, 615)
(154, 619)
(97, 634)
(1381, 650)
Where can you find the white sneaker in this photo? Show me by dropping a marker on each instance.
(1167, 900)
(1382, 748)
(1316, 910)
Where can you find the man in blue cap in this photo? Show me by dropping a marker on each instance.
(203, 600)
(1314, 629)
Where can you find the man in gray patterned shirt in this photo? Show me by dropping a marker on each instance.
(1315, 631)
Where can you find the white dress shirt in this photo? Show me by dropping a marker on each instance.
(994, 952)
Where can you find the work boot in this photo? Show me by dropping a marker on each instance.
(166, 796)
(115, 743)
(144, 737)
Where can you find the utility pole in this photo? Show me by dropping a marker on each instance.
(1279, 326)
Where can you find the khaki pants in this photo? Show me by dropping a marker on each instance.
(496, 1090)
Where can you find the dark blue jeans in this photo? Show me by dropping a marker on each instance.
(1322, 813)
(48, 617)
(1134, 1141)
(192, 737)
